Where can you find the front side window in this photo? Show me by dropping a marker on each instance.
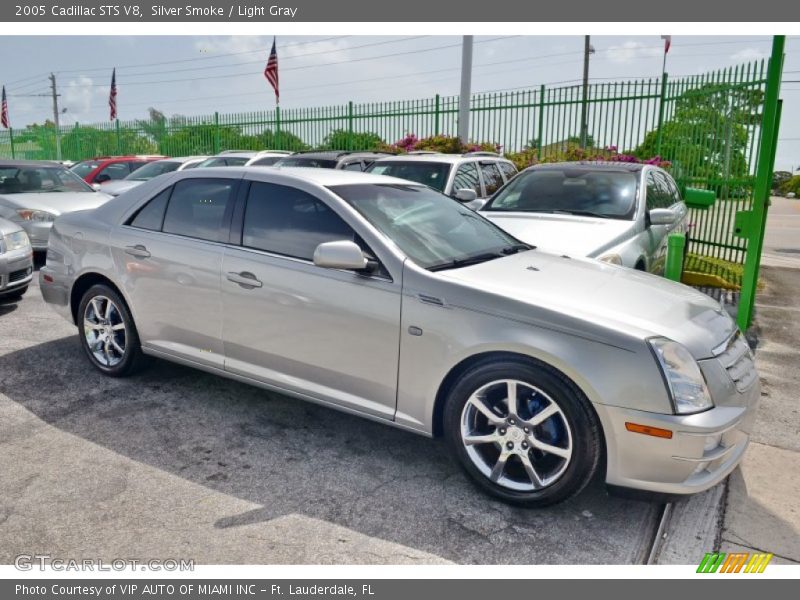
(432, 174)
(568, 190)
(39, 180)
(492, 180)
(433, 230)
(287, 221)
(658, 195)
(197, 208)
(113, 172)
(82, 169)
(466, 178)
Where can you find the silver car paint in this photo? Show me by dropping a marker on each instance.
(12, 261)
(633, 241)
(344, 339)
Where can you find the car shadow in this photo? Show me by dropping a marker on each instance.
(293, 457)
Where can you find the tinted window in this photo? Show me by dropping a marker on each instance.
(300, 161)
(153, 169)
(492, 180)
(568, 190)
(356, 166)
(151, 215)
(82, 169)
(284, 220)
(467, 178)
(432, 174)
(197, 208)
(508, 169)
(114, 171)
(267, 161)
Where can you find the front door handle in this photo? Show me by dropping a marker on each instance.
(138, 250)
(245, 279)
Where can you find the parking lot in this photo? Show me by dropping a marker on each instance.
(180, 464)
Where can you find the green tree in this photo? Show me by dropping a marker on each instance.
(779, 178)
(707, 135)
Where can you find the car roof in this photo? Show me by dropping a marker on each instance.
(441, 157)
(29, 163)
(595, 165)
(322, 177)
(337, 154)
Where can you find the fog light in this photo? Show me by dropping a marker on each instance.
(712, 442)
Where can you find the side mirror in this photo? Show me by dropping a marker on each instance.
(342, 254)
(102, 178)
(466, 195)
(96, 187)
(662, 216)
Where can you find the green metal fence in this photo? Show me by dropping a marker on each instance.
(709, 126)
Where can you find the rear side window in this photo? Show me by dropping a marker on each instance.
(467, 178)
(197, 208)
(492, 180)
(151, 215)
(284, 220)
(508, 169)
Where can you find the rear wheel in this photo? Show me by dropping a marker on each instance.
(523, 432)
(107, 332)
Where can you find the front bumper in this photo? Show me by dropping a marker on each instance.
(16, 270)
(703, 450)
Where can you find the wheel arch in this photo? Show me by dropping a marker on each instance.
(86, 281)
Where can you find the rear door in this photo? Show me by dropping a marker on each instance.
(170, 255)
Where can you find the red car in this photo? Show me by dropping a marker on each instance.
(109, 168)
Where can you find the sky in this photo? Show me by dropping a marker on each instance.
(197, 75)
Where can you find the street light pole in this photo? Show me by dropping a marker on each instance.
(466, 89)
(55, 114)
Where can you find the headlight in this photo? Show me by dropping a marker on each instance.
(15, 241)
(27, 214)
(613, 259)
(684, 379)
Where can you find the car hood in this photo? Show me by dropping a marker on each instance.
(56, 203)
(115, 188)
(612, 297)
(574, 235)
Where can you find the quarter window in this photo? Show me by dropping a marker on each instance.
(151, 215)
(197, 208)
(492, 180)
(467, 178)
(287, 221)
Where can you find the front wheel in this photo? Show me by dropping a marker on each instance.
(523, 432)
(107, 332)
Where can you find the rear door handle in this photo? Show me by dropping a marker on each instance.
(245, 279)
(138, 250)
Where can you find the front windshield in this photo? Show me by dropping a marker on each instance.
(307, 161)
(82, 169)
(39, 180)
(431, 229)
(432, 174)
(570, 190)
(153, 169)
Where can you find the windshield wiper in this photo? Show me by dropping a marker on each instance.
(514, 248)
(469, 260)
(581, 213)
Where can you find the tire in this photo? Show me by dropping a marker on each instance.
(14, 296)
(572, 430)
(113, 331)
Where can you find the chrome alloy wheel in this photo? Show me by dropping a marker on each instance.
(104, 330)
(516, 435)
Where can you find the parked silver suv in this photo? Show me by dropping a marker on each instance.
(469, 178)
(389, 300)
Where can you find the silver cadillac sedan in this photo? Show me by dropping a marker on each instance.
(389, 300)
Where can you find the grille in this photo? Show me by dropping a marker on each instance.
(736, 358)
(18, 275)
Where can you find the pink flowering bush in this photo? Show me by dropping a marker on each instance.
(573, 153)
(438, 143)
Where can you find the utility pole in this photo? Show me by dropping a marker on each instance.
(55, 114)
(587, 50)
(466, 89)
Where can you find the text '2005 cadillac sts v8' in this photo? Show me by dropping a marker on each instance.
(389, 300)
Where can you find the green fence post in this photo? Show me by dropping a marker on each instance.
(436, 126)
(676, 243)
(216, 143)
(661, 103)
(763, 183)
(540, 132)
(11, 140)
(278, 128)
(119, 139)
(350, 125)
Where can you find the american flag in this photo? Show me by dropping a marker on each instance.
(271, 71)
(4, 111)
(112, 96)
(667, 42)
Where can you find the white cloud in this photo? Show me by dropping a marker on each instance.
(748, 54)
(629, 51)
(77, 96)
